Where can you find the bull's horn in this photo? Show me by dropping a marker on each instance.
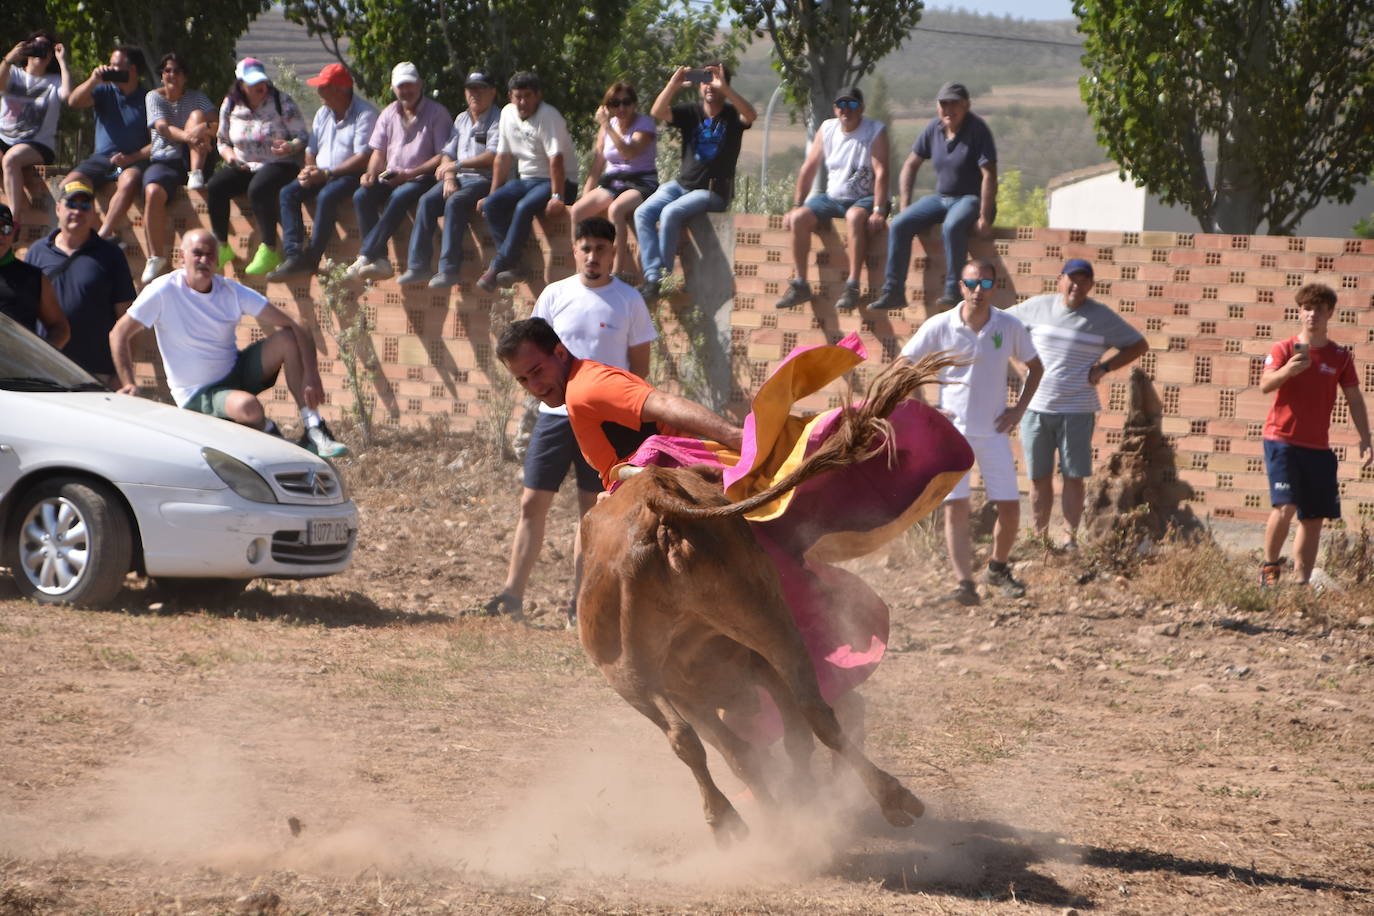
(626, 471)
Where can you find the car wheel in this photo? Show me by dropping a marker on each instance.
(202, 592)
(72, 543)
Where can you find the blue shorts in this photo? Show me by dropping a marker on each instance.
(1070, 433)
(827, 207)
(553, 449)
(1304, 477)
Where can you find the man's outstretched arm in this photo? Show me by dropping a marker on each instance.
(690, 417)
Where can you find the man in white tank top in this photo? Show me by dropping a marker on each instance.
(854, 150)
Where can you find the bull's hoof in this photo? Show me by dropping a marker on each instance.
(901, 808)
(729, 828)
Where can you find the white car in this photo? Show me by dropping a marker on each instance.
(95, 484)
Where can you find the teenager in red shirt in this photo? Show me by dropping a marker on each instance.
(1304, 372)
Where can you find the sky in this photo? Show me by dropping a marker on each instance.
(1021, 9)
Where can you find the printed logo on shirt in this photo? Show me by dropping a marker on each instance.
(997, 340)
(706, 139)
(1329, 370)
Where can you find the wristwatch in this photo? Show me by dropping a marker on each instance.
(556, 196)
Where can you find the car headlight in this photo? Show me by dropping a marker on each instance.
(240, 478)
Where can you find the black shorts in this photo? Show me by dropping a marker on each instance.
(553, 449)
(646, 183)
(99, 170)
(1304, 477)
(49, 157)
(170, 173)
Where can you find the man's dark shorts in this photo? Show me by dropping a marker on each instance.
(99, 170)
(1304, 477)
(247, 375)
(553, 449)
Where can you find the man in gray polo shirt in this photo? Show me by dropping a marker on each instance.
(1072, 334)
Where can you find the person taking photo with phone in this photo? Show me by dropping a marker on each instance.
(31, 101)
(1304, 373)
(122, 146)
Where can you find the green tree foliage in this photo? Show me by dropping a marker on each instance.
(1279, 93)
(1018, 205)
(204, 33)
(821, 46)
(577, 49)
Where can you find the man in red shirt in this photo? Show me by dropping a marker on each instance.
(611, 411)
(1304, 372)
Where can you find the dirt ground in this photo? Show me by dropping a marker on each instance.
(1167, 743)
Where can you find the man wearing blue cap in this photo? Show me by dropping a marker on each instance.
(1072, 334)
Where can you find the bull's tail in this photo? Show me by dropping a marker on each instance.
(862, 433)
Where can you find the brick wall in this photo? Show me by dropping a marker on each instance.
(1210, 305)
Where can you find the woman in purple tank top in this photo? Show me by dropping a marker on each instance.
(623, 171)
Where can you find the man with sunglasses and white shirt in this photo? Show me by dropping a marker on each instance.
(1073, 334)
(974, 396)
(853, 149)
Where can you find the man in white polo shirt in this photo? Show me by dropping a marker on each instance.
(974, 396)
(196, 312)
(600, 318)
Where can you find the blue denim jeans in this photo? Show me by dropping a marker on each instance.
(328, 198)
(456, 210)
(510, 213)
(674, 205)
(958, 215)
(378, 230)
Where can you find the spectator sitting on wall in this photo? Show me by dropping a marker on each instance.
(261, 136)
(90, 276)
(712, 130)
(464, 175)
(32, 100)
(854, 151)
(965, 197)
(1304, 372)
(25, 294)
(335, 157)
(535, 172)
(196, 313)
(122, 147)
(1072, 334)
(407, 144)
(182, 124)
(623, 172)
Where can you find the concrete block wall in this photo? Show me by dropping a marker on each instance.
(1210, 305)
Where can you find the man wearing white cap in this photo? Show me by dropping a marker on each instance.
(464, 176)
(407, 144)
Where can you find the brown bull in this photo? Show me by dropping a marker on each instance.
(683, 612)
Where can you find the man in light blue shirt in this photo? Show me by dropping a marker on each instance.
(335, 157)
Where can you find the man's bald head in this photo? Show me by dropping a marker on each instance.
(200, 258)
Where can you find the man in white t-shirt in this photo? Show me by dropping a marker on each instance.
(195, 312)
(974, 396)
(1073, 333)
(601, 318)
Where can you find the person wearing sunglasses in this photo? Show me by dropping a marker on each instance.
(623, 173)
(183, 128)
(964, 156)
(90, 276)
(854, 150)
(973, 394)
(25, 294)
(1073, 334)
(34, 83)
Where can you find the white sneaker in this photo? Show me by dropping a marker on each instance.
(378, 269)
(196, 180)
(355, 270)
(156, 267)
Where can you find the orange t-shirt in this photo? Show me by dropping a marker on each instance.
(604, 405)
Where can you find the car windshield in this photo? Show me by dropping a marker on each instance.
(28, 363)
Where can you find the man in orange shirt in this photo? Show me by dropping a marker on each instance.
(611, 411)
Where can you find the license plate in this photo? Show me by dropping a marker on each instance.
(327, 531)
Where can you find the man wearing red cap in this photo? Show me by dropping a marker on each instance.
(335, 156)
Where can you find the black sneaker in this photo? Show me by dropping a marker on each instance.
(487, 282)
(966, 594)
(507, 278)
(947, 301)
(798, 291)
(651, 291)
(321, 441)
(1002, 579)
(889, 300)
(293, 267)
(849, 298)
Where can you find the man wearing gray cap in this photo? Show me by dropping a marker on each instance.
(965, 197)
(464, 175)
(1072, 334)
(854, 151)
